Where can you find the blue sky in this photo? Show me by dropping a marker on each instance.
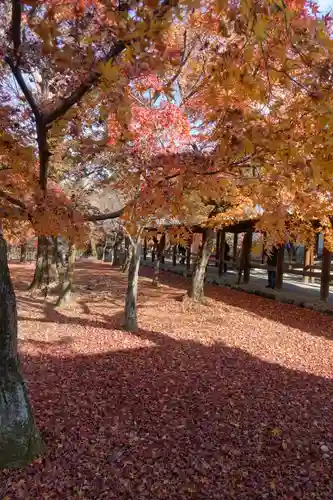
(325, 5)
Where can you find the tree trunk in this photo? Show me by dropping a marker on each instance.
(41, 255)
(20, 442)
(132, 289)
(159, 257)
(115, 254)
(156, 281)
(128, 255)
(196, 291)
(46, 270)
(119, 239)
(104, 250)
(59, 260)
(112, 253)
(66, 293)
(24, 249)
(52, 259)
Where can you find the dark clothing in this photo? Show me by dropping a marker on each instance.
(182, 252)
(272, 279)
(272, 263)
(272, 258)
(226, 251)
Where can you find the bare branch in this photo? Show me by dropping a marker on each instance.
(22, 209)
(12, 200)
(16, 25)
(101, 217)
(23, 86)
(84, 88)
(93, 79)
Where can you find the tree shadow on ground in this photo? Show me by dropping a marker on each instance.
(176, 420)
(109, 288)
(101, 274)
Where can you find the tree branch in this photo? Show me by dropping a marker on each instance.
(16, 25)
(17, 203)
(12, 200)
(87, 85)
(23, 86)
(14, 62)
(101, 217)
(91, 218)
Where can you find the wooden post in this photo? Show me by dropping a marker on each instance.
(217, 253)
(162, 248)
(325, 274)
(145, 249)
(153, 251)
(188, 256)
(174, 255)
(247, 254)
(279, 267)
(234, 250)
(263, 254)
(312, 261)
(221, 253)
(306, 265)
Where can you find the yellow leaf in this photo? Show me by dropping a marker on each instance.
(221, 5)
(248, 146)
(260, 29)
(248, 54)
(109, 71)
(256, 250)
(276, 431)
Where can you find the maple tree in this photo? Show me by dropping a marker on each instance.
(156, 126)
(267, 101)
(255, 92)
(55, 54)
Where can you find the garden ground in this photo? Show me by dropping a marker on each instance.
(228, 400)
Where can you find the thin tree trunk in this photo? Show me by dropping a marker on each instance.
(24, 250)
(119, 239)
(128, 257)
(104, 248)
(156, 276)
(46, 275)
(196, 291)
(93, 248)
(58, 258)
(131, 324)
(20, 442)
(66, 293)
(111, 253)
(115, 254)
(52, 258)
(159, 256)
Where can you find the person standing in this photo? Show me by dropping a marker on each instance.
(271, 267)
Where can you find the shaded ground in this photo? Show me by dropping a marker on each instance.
(232, 400)
(293, 287)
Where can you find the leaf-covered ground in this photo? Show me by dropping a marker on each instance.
(228, 400)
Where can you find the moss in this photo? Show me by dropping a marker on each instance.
(19, 446)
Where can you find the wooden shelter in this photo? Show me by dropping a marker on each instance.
(247, 227)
